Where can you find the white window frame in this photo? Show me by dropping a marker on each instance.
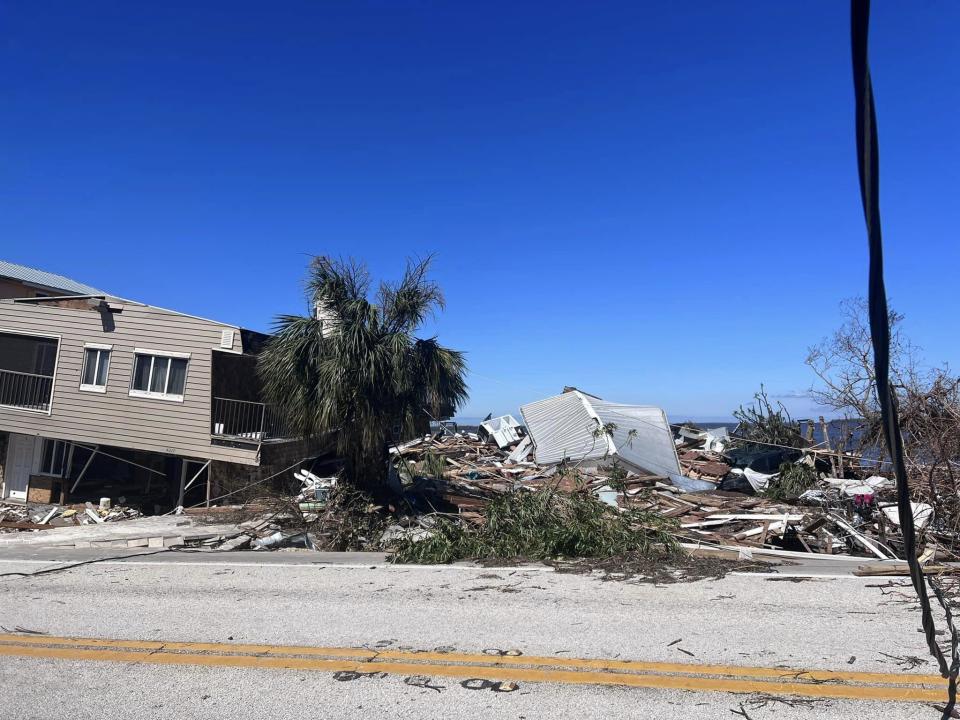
(56, 368)
(38, 457)
(83, 367)
(172, 397)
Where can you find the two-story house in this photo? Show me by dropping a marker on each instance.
(101, 396)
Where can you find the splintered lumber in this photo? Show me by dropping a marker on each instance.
(24, 525)
(860, 537)
(756, 516)
(703, 499)
(901, 568)
(762, 530)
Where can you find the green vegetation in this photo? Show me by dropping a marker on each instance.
(794, 479)
(765, 424)
(354, 368)
(541, 525)
(432, 465)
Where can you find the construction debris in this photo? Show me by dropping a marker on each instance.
(504, 430)
(852, 516)
(586, 430)
(18, 516)
(716, 491)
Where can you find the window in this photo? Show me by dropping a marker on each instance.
(161, 375)
(96, 364)
(53, 458)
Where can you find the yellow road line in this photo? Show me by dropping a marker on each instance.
(677, 682)
(483, 659)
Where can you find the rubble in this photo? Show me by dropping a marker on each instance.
(720, 492)
(16, 517)
(853, 516)
(504, 430)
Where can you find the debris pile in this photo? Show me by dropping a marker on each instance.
(765, 500)
(737, 494)
(15, 517)
(775, 498)
(463, 474)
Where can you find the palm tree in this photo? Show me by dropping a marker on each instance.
(355, 369)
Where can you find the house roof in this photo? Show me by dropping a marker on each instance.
(45, 279)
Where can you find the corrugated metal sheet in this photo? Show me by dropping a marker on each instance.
(651, 446)
(46, 279)
(563, 427)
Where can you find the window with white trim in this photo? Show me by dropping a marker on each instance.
(96, 365)
(157, 375)
(53, 458)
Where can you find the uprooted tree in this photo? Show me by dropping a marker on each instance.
(354, 367)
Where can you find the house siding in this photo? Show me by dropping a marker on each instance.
(114, 417)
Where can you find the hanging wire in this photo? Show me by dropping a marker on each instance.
(868, 165)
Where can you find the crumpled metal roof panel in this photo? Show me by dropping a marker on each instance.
(564, 427)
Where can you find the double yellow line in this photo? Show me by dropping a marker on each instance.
(463, 666)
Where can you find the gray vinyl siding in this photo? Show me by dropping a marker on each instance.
(114, 417)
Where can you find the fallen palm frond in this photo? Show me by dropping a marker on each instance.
(540, 525)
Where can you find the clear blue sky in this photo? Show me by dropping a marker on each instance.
(656, 202)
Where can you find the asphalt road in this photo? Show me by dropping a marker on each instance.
(173, 635)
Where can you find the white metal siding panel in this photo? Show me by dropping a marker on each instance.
(562, 427)
(115, 418)
(652, 447)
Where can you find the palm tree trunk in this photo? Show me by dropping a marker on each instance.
(368, 470)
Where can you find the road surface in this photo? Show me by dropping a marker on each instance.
(287, 635)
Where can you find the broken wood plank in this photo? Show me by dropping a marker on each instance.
(767, 527)
(49, 515)
(860, 537)
(756, 516)
(901, 568)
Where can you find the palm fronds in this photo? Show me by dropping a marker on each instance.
(355, 368)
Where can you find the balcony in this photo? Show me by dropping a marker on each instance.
(245, 421)
(27, 364)
(26, 391)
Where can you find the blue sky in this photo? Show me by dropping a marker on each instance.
(656, 202)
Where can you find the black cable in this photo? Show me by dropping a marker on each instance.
(868, 165)
(80, 563)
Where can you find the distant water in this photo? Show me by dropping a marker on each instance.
(837, 429)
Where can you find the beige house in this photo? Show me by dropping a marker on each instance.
(101, 396)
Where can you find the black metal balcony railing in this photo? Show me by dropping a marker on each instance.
(245, 420)
(25, 390)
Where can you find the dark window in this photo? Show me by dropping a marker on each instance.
(96, 363)
(159, 375)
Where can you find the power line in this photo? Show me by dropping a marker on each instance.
(868, 165)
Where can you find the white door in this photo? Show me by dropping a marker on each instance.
(19, 465)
